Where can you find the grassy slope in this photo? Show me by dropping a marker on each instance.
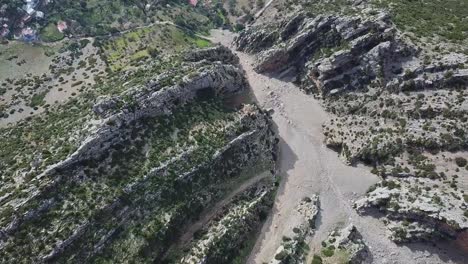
(427, 18)
(95, 18)
(435, 20)
(146, 43)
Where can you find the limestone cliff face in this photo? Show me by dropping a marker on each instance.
(333, 54)
(391, 107)
(415, 217)
(156, 157)
(221, 77)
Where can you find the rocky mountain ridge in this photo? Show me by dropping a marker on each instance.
(126, 185)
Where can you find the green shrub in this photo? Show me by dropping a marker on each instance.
(460, 161)
(38, 99)
(202, 43)
(50, 33)
(317, 259)
(328, 252)
(280, 256)
(426, 18)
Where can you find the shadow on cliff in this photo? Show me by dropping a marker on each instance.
(447, 251)
(286, 160)
(286, 75)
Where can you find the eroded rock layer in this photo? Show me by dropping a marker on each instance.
(155, 158)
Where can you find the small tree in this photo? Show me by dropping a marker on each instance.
(460, 161)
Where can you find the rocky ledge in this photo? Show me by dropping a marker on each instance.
(294, 249)
(343, 246)
(232, 226)
(417, 209)
(333, 54)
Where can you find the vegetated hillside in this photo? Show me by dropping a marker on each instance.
(103, 17)
(48, 73)
(40, 76)
(52, 20)
(116, 145)
(396, 88)
(129, 172)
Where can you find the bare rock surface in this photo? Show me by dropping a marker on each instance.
(347, 245)
(417, 210)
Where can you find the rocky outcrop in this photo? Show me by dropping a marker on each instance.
(241, 153)
(333, 54)
(220, 81)
(292, 249)
(330, 53)
(104, 106)
(348, 240)
(217, 79)
(416, 210)
(256, 39)
(232, 226)
(217, 53)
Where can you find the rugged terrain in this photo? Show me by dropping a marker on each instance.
(308, 166)
(328, 131)
(396, 105)
(134, 146)
(150, 161)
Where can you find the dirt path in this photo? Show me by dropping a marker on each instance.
(308, 166)
(212, 211)
(260, 12)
